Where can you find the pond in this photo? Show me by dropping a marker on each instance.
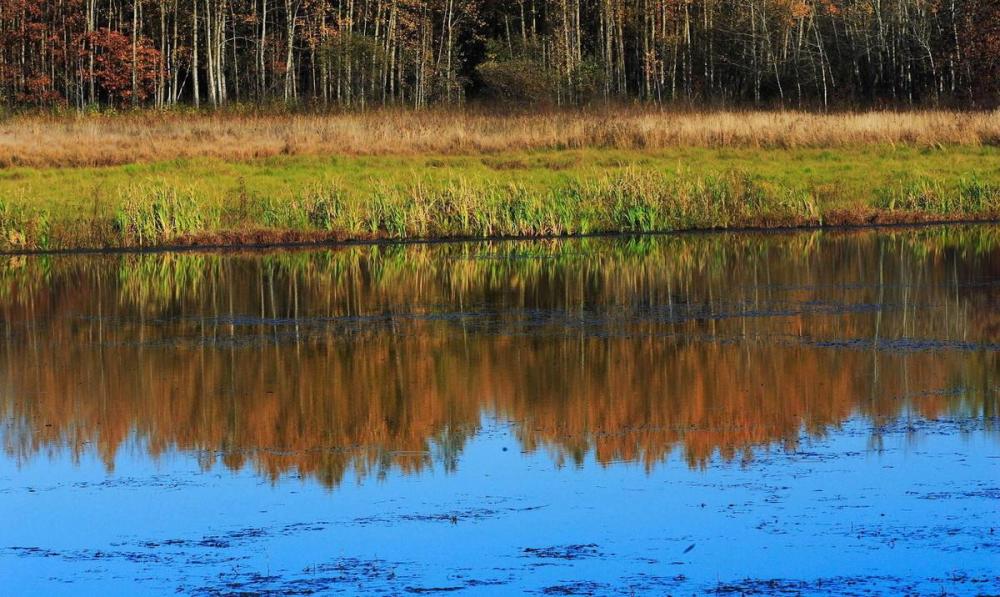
(785, 412)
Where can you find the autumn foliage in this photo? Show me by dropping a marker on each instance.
(113, 66)
(362, 53)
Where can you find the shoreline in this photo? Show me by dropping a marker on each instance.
(258, 241)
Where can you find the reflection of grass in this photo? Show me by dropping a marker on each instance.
(548, 193)
(149, 281)
(155, 280)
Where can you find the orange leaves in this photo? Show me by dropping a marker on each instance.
(981, 36)
(38, 90)
(113, 65)
(800, 10)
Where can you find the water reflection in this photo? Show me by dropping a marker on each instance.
(371, 358)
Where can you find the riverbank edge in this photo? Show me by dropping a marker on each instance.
(337, 200)
(230, 241)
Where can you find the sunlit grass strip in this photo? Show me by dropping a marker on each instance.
(630, 200)
(970, 196)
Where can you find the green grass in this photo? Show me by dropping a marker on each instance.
(525, 193)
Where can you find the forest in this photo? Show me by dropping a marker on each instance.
(357, 54)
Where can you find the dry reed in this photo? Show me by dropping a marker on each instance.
(104, 140)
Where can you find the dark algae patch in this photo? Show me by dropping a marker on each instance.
(769, 413)
(563, 552)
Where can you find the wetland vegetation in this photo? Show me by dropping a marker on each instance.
(143, 180)
(557, 398)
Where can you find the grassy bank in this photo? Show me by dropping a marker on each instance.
(297, 198)
(443, 178)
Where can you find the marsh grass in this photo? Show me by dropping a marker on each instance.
(630, 200)
(553, 193)
(633, 200)
(22, 227)
(150, 136)
(154, 215)
(970, 196)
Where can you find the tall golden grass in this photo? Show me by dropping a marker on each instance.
(102, 140)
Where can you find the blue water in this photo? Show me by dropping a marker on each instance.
(775, 414)
(920, 514)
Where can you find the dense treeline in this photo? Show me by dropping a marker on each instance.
(358, 53)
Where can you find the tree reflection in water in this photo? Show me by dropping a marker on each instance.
(373, 358)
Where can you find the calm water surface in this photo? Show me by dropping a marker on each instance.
(813, 412)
